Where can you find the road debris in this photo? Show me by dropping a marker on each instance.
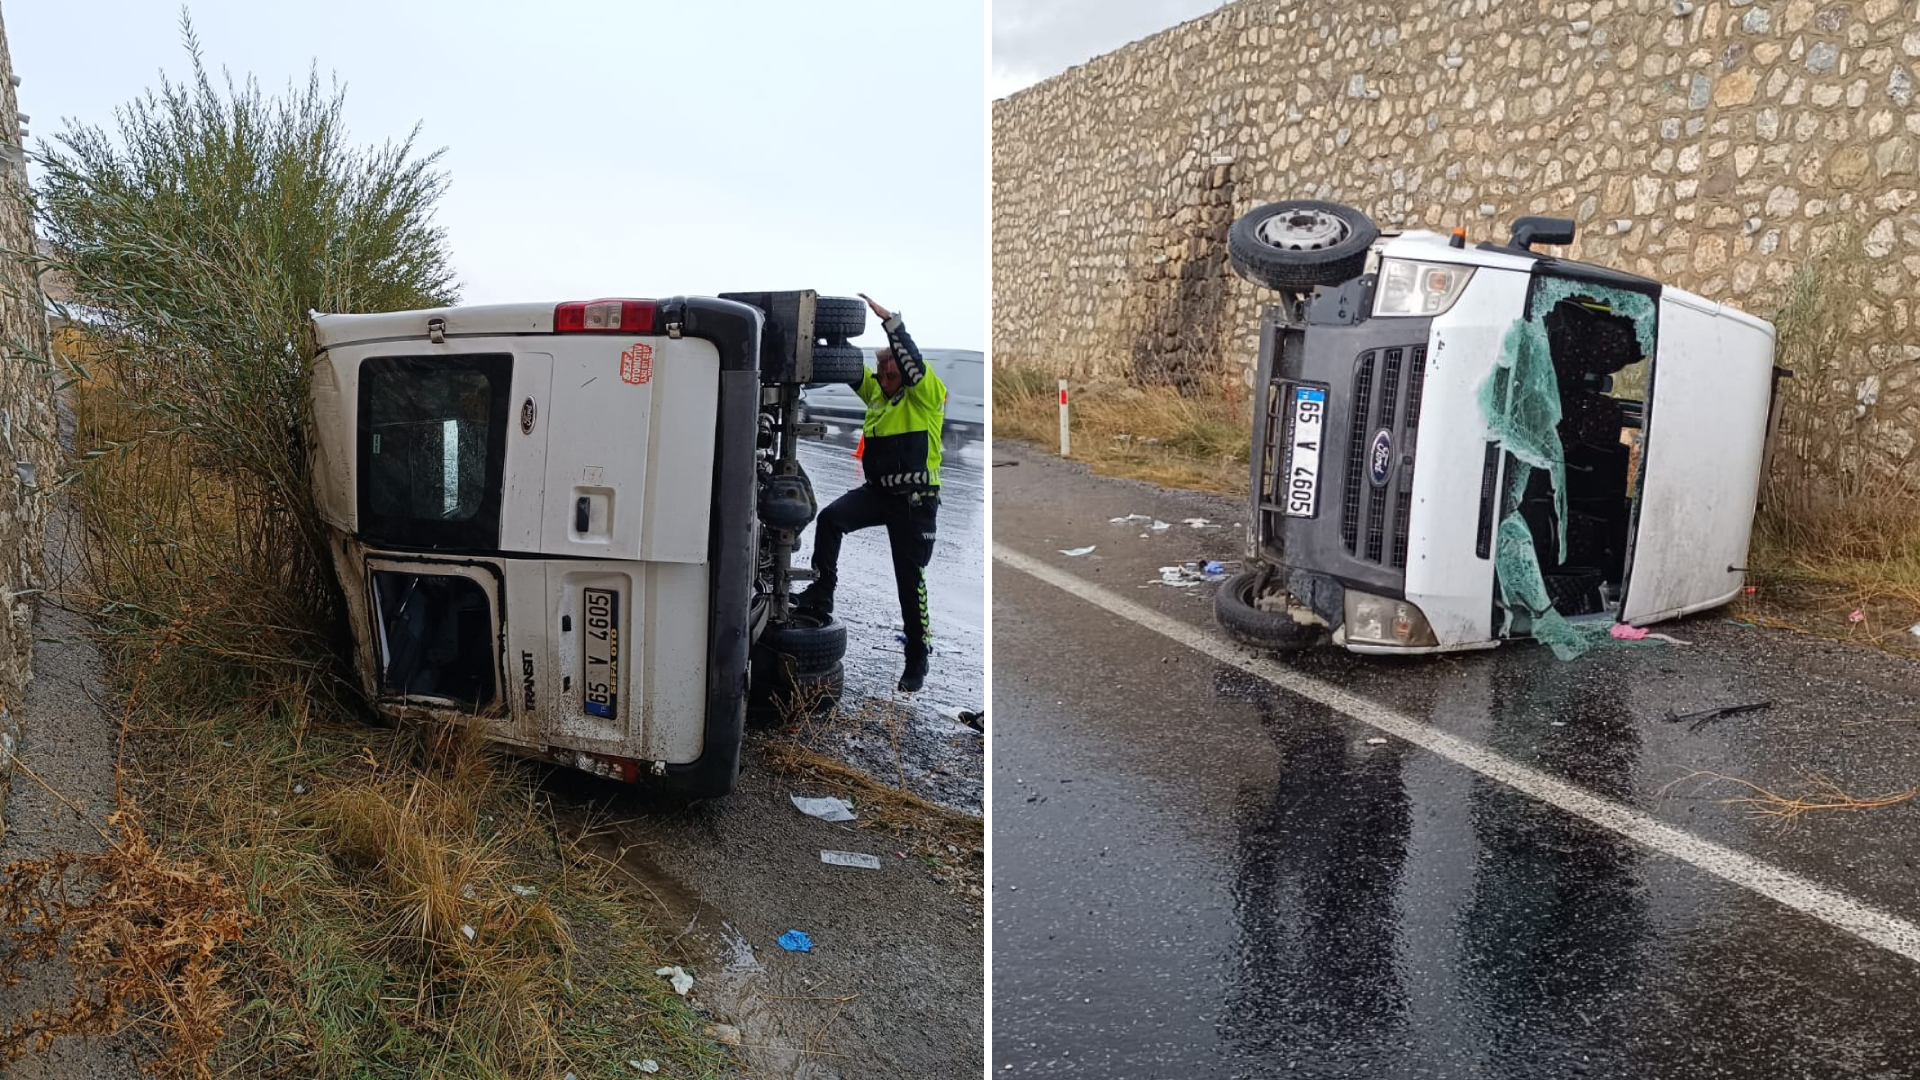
(1199, 523)
(1856, 616)
(827, 808)
(682, 982)
(647, 1066)
(1623, 632)
(1825, 795)
(469, 931)
(796, 941)
(1697, 720)
(1193, 573)
(1129, 519)
(1376, 742)
(1074, 553)
(850, 858)
(724, 1034)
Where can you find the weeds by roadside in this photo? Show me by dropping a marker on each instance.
(1150, 433)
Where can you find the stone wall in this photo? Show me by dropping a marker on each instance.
(28, 428)
(1712, 145)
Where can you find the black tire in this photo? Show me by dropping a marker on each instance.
(816, 642)
(778, 695)
(838, 364)
(839, 317)
(1296, 245)
(1234, 609)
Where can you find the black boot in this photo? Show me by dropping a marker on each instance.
(916, 672)
(816, 597)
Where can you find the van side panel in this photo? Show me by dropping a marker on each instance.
(1706, 428)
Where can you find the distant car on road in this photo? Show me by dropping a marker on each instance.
(963, 370)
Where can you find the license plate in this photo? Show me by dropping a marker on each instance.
(1301, 491)
(600, 677)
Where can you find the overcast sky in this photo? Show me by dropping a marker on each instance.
(1038, 39)
(610, 149)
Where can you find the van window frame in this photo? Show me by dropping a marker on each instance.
(481, 530)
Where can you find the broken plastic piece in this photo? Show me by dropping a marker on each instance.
(1129, 519)
(1697, 720)
(1074, 553)
(826, 808)
(850, 858)
(796, 941)
(647, 1066)
(1623, 632)
(682, 982)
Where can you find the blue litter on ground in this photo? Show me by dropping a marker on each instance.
(796, 941)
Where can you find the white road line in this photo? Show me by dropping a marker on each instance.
(1869, 923)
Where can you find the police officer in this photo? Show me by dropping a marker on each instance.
(906, 404)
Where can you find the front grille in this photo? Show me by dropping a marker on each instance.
(1357, 450)
(1370, 515)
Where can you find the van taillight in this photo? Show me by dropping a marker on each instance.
(613, 316)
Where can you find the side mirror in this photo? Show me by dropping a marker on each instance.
(1529, 231)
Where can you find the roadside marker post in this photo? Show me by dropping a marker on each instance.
(1066, 444)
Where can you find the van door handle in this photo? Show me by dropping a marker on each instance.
(582, 513)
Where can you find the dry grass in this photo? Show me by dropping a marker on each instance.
(144, 932)
(1146, 433)
(1821, 794)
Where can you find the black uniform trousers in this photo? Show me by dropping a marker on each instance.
(909, 519)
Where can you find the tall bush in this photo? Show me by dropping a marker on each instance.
(195, 234)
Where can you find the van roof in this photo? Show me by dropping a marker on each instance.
(472, 320)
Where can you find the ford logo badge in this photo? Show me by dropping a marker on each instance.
(1380, 458)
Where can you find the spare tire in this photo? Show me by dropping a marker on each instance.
(816, 642)
(1294, 246)
(1235, 609)
(839, 317)
(838, 364)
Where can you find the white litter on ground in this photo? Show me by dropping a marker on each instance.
(827, 808)
(1074, 553)
(850, 858)
(1129, 518)
(682, 982)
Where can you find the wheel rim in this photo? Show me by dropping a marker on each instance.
(1303, 230)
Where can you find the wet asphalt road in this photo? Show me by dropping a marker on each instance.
(1199, 874)
(940, 758)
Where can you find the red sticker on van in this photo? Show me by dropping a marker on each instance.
(636, 364)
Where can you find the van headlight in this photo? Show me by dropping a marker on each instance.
(1382, 620)
(1418, 288)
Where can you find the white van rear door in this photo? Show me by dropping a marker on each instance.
(629, 454)
(1705, 433)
